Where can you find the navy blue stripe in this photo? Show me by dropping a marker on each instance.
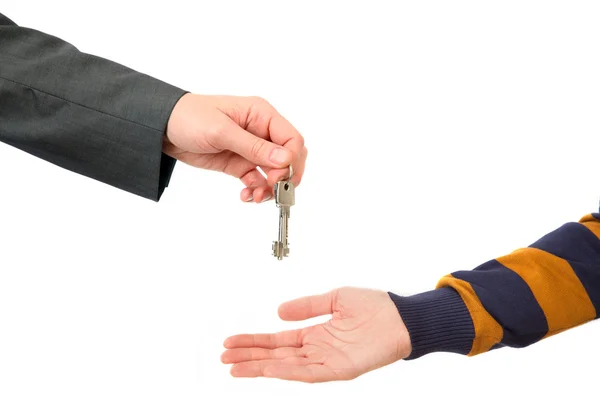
(497, 346)
(509, 300)
(581, 248)
(596, 215)
(437, 320)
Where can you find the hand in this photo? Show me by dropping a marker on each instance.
(235, 135)
(365, 332)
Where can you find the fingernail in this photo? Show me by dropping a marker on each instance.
(280, 156)
(249, 199)
(267, 198)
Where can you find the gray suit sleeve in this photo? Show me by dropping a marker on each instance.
(84, 113)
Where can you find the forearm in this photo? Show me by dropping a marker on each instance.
(82, 112)
(515, 300)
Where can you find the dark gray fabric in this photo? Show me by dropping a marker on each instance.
(84, 113)
(4, 20)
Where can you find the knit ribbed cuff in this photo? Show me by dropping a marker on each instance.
(437, 321)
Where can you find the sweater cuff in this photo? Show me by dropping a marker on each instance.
(437, 321)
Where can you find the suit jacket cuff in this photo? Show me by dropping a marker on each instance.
(162, 102)
(84, 113)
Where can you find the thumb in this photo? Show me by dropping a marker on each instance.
(307, 307)
(256, 150)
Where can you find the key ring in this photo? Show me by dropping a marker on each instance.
(291, 173)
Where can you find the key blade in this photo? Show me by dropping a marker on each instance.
(284, 199)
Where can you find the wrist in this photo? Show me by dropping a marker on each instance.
(404, 347)
(176, 120)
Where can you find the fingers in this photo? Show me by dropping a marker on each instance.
(282, 132)
(234, 356)
(276, 175)
(262, 136)
(311, 373)
(257, 195)
(290, 369)
(266, 122)
(253, 148)
(307, 307)
(252, 354)
(253, 369)
(267, 341)
(257, 189)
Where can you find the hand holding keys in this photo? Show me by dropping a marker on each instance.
(284, 199)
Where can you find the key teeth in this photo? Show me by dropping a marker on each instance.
(279, 251)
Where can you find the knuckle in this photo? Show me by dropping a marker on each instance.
(250, 178)
(260, 102)
(231, 168)
(215, 132)
(257, 148)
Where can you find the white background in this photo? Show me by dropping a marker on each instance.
(440, 134)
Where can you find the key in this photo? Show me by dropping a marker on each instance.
(284, 199)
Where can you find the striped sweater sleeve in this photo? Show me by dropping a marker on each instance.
(514, 300)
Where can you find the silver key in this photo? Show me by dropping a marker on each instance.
(284, 199)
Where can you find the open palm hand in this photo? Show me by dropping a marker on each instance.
(365, 332)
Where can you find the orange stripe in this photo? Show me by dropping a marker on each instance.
(487, 331)
(555, 286)
(588, 218)
(592, 224)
